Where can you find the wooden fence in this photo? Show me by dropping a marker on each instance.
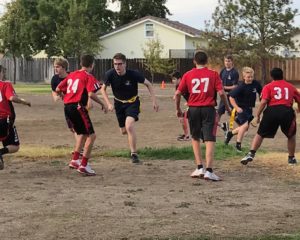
(41, 70)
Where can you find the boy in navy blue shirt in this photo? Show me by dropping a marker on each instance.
(243, 99)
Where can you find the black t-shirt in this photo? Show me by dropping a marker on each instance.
(245, 94)
(56, 80)
(124, 87)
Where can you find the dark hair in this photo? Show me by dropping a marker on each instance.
(176, 74)
(276, 73)
(120, 56)
(229, 56)
(200, 57)
(3, 70)
(86, 60)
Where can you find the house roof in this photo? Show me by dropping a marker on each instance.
(177, 26)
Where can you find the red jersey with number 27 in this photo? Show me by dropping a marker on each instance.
(6, 92)
(74, 84)
(202, 84)
(280, 92)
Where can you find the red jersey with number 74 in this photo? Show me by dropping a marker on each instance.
(280, 92)
(202, 84)
(75, 83)
(6, 92)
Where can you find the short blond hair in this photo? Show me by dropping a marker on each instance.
(248, 70)
(61, 62)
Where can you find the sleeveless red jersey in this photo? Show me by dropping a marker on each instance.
(280, 92)
(6, 92)
(75, 83)
(202, 84)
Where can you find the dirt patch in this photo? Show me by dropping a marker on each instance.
(43, 199)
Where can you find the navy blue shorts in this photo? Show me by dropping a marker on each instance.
(124, 110)
(8, 133)
(245, 116)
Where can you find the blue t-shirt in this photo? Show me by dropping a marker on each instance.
(245, 94)
(229, 78)
(126, 86)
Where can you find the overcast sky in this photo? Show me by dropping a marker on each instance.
(194, 12)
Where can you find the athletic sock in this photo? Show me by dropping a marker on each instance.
(84, 161)
(4, 150)
(76, 155)
(200, 166)
(209, 170)
(252, 152)
(238, 144)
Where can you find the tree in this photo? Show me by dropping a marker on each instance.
(251, 30)
(154, 62)
(14, 35)
(131, 10)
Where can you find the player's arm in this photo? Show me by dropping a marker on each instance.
(223, 97)
(110, 107)
(150, 89)
(261, 107)
(56, 96)
(234, 104)
(94, 97)
(177, 98)
(16, 99)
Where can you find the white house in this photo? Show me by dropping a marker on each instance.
(179, 40)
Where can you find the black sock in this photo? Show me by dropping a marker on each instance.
(3, 150)
(209, 170)
(291, 156)
(238, 144)
(200, 166)
(252, 152)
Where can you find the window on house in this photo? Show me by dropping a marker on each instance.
(149, 30)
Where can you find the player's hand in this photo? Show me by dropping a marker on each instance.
(110, 107)
(239, 110)
(104, 108)
(179, 113)
(155, 107)
(28, 104)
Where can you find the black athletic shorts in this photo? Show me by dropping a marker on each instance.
(79, 118)
(276, 116)
(8, 133)
(124, 110)
(203, 123)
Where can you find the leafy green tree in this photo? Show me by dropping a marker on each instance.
(251, 30)
(131, 10)
(14, 35)
(154, 63)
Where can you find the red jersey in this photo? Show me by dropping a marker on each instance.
(280, 92)
(202, 84)
(75, 83)
(6, 92)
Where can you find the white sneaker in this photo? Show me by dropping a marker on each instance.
(74, 164)
(198, 173)
(87, 170)
(211, 176)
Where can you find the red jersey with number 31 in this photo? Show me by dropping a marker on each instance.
(280, 92)
(6, 92)
(75, 83)
(202, 84)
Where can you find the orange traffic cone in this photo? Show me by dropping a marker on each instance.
(163, 85)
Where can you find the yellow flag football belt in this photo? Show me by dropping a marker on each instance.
(231, 120)
(131, 100)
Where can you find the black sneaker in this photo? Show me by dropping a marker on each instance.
(1, 162)
(248, 158)
(292, 160)
(238, 148)
(225, 127)
(135, 158)
(228, 137)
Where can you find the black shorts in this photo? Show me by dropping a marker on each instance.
(8, 133)
(203, 123)
(79, 118)
(276, 116)
(124, 110)
(245, 116)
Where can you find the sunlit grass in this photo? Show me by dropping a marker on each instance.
(32, 88)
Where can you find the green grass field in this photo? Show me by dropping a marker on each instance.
(32, 88)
